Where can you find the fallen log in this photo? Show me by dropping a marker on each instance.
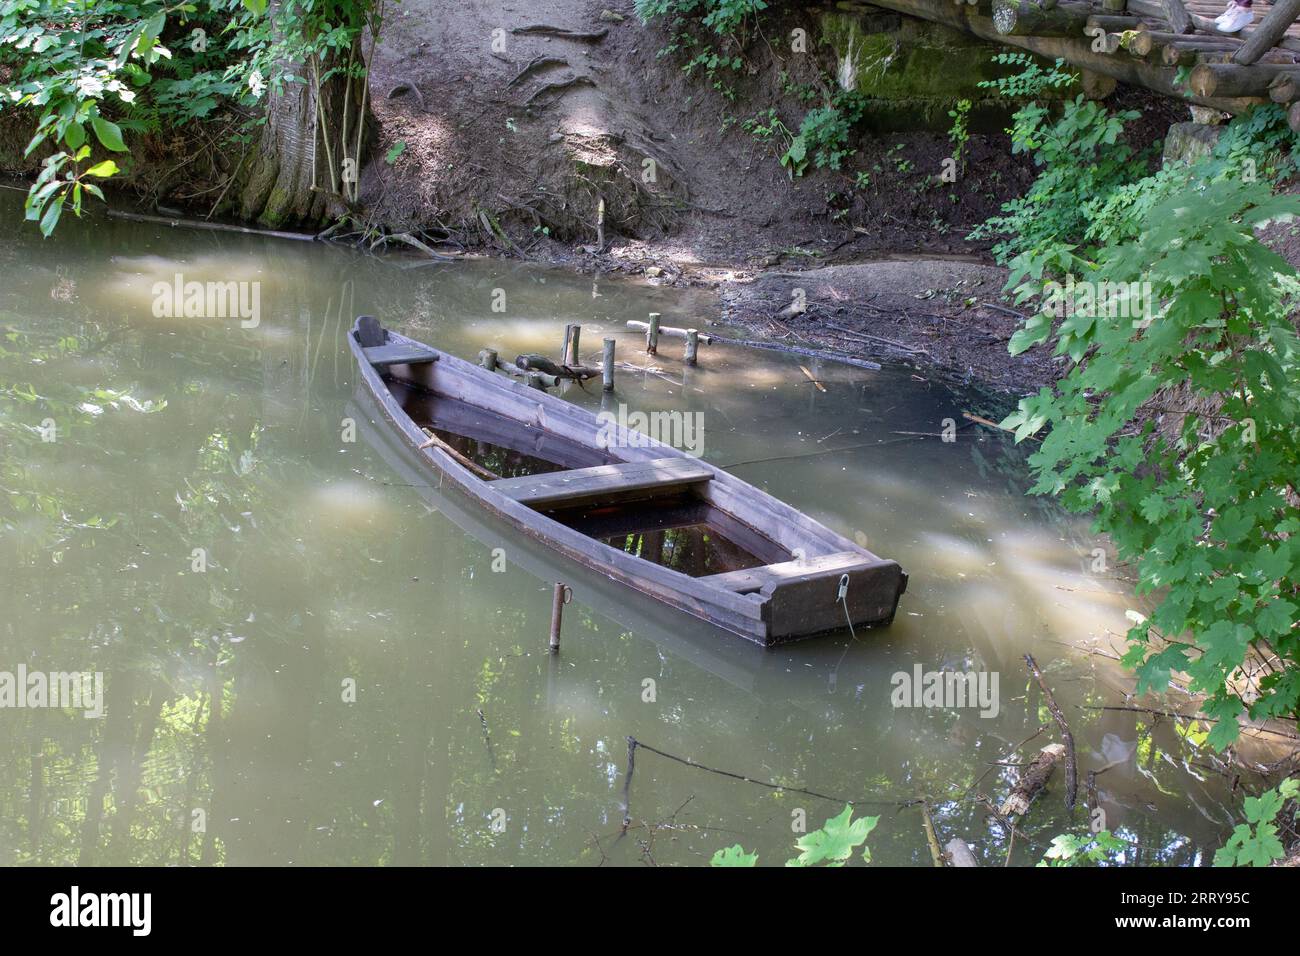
(209, 226)
(1032, 781)
(936, 855)
(799, 350)
(1022, 18)
(1071, 764)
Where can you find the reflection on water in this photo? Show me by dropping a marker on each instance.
(313, 655)
(678, 536)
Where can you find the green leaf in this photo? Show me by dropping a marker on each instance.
(1263, 848)
(74, 136)
(52, 214)
(108, 134)
(836, 841)
(103, 170)
(734, 856)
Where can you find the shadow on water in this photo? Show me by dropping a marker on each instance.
(314, 656)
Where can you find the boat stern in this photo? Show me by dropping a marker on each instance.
(804, 598)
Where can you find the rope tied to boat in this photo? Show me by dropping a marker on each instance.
(843, 598)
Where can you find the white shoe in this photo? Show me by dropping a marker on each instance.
(1234, 19)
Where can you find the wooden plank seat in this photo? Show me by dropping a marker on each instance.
(381, 356)
(769, 576)
(605, 482)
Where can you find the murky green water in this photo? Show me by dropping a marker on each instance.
(386, 696)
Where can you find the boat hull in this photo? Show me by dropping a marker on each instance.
(825, 581)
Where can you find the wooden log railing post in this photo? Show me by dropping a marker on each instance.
(1230, 79)
(569, 356)
(670, 332)
(1155, 10)
(1115, 24)
(563, 595)
(692, 345)
(607, 366)
(1271, 29)
(1180, 21)
(1021, 18)
(1188, 51)
(1102, 42)
(488, 359)
(1284, 89)
(652, 334)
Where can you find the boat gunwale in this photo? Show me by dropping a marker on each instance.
(745, 614)
(577, 546)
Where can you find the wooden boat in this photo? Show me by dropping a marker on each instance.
(633, 509)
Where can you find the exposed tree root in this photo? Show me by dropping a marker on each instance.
(535, 64)
(406, 86)
(560, 87)
(541, 29)
(210, 226)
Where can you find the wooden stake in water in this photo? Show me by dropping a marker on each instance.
(563, 595)
(652, 334)
(607, 366)
(692, 345)
(570, 354)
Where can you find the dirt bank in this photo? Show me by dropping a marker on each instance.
(535, 130)
(942, 316)
(567, 131)
(508, 139)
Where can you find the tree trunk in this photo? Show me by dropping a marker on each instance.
(303, 172)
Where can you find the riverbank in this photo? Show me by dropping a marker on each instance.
(573, 134)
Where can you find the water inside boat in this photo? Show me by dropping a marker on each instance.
(671, 527)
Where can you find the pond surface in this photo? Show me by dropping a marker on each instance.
(182, 510)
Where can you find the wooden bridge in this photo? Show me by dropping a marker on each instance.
(1169, 46)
